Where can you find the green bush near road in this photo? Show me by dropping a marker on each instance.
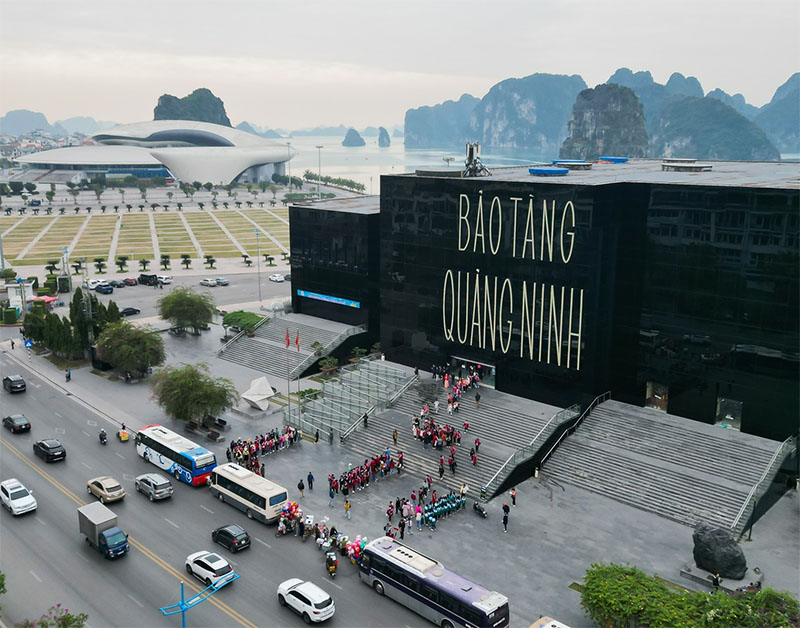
(617, 596)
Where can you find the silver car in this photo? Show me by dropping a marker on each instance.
(153, 485)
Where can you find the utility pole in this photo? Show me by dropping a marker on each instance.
(319, 169)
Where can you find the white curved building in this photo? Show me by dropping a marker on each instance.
(182, 149)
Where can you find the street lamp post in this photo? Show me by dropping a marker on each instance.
(258, 264)
(288, 164)
(319, 169)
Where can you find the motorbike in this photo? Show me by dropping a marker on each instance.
(103, 438)
(331, 562)
(480, 510)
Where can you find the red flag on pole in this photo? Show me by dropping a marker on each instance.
(297, 340)
(287, 338)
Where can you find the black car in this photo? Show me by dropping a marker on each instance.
(14, 383)
(17, 423)
(233, 536)
(49, 450)
(116, 283)
(129, 311)
(104, 288)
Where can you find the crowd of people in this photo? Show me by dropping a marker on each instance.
(358, 478)
(246, 452)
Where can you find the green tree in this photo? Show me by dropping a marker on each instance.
(51, 266)
(30, 187)
(170, 195)
(100, 264)
(112, 312)
(98, 190)
(189, 393)
(186, 260)
(131, 348)
(56, 617)
(183, 307)
(34, 327)
(197, 185)
(208, 186)
(50, 195)
(16, 187)
(143, 264)
(165, 262)
(122, 262)
(74, 194)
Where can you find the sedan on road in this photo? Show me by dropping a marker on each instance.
(50, 450)
(221, 281)
(233, 536)
(116, 283)
(129, 311)
(306, 599)
(210, 568)
(104, 288)
(14, 383)
(17, 423)
(105, 488)
(165, 279)
(153, 485)
(208, 282)
(130, 281)
(276, 278)
(16, 497)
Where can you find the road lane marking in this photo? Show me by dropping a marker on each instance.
(60, 430)
(35, 576)
(333, 584)
(40, 521)
(87, 433)
(85, 465)
(234, 563)
(262, 542)
(177, 574)
(35, 385)
(170, 523)
(208, 510)
(82, 557)
(58, 415)
(135, 600)
(119, 454)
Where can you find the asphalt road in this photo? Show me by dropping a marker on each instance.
(242, 289)
(46, 560)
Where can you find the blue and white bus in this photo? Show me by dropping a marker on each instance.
(185, 460)
(427, 588)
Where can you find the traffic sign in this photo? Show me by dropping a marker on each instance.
(28, 344)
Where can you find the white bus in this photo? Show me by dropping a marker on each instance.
(187, 461)
(257, 497)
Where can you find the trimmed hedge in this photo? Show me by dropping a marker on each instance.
(617, 596)
(9, 316)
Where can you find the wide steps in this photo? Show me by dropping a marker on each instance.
(674, 467)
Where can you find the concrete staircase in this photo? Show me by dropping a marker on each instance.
(266, 352)
(674, 467)
(503, 423)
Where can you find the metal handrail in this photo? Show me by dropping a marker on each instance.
(597, 401)
(312, 357)
(761, 480)
(241, 333)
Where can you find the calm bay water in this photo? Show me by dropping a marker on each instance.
(366, 164)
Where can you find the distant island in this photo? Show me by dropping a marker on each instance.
(201, 105)
(353, 138)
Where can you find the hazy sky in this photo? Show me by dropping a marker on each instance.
(301, 63)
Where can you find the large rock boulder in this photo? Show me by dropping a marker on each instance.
(606, 120)
(439, 126)
(353, 138)
(715, 550)
(780, 118)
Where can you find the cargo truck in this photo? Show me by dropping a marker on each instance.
(99, 525)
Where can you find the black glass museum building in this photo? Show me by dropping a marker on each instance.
(671, 289)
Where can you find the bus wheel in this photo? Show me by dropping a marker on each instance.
(249, 514)
(144, 456)
(446, 624)
(378, 586)
(177, 474)
(221, 497)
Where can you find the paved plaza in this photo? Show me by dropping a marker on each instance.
(555, 532)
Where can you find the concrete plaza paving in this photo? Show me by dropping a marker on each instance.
(555, 532)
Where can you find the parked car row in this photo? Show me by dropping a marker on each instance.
(211, 282)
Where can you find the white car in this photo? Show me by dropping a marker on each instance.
(210, 568)
(93, 283)
(208, 282)
(16, 497)
(165, 279)
(306, 599)
(276, 277)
